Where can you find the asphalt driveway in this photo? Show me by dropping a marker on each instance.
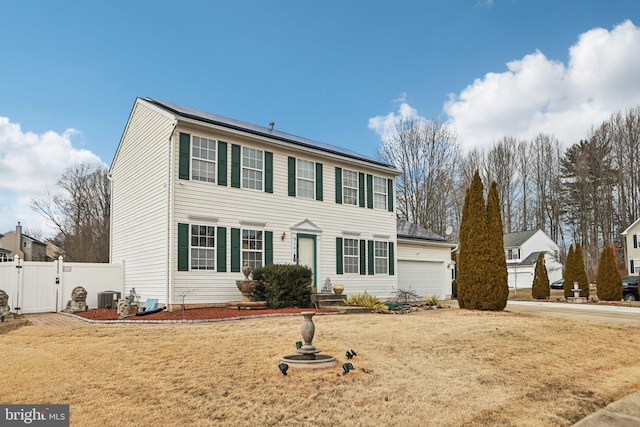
(590, 312)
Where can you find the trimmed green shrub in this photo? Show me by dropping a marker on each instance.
(497, 292)
(608, 280)
(569, 274)
(283, 285)
(581, 273)
(540, 288)
(473, 257)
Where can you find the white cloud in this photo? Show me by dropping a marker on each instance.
(32, 163)
(382, 124)
(539, 95)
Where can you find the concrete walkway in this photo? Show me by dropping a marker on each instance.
(53, 319)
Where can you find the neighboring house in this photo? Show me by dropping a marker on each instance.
(632, 248)
(424, 261)
(27, 248)
(522, 250)
(195, 195)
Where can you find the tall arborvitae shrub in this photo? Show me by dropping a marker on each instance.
(581, 273)
(540, 288)
(569, 274)
(497, 288)
(608, 280)
(473, 247)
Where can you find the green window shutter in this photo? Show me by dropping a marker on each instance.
(318, 181)
(268, 172)
(371, 257)
(235, 166)
(392, 269)
(183, 247)
(185, 156)
(268, 247)
(235, 250)
(390, 194)
(339, 268)
(361, 189)
(370, 191)
(338, 185)
(363, 257)
(221, 248)
(222, 163)
(292, 176)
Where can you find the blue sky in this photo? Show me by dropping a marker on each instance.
(338, 72)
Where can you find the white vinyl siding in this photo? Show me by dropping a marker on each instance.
(203, 247)
(252, 168)
(203, 155)
(139, 209)
(305, 179)
(380, 193)
(349, 187)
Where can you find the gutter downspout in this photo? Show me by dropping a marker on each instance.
(170, 216)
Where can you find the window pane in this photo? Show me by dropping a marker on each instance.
(350, 254)
(203, 154)
(305, 183)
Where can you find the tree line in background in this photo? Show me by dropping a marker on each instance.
(586, 193)
(80, 214)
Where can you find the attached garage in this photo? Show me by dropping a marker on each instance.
(424, 261)
(425, 278)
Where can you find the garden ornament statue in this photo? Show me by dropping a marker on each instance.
(78, 301)
(5, 310)
(246, 288)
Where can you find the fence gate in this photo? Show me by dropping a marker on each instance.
(41, 287)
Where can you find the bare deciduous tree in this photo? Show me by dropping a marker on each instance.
(80, 213)
(427, 154)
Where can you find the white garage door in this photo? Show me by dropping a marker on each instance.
(423, 277)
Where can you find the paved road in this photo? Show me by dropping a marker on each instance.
(597, 313)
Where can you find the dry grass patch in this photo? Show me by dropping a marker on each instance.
(440, 367)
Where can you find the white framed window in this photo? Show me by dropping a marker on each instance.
(379, 193)
(635, 266)
(305, 179)
(203, 247)
(203, 159)
(252, 168)
(349, 187)
(513, 254)
(3, 257)
(252, 248)
(381, 257)
(26, 244)
(351, 256)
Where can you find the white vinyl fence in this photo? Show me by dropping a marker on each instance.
(40, 287)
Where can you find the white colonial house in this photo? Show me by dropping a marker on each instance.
(195, 195)
(522, 250)
(632, 247)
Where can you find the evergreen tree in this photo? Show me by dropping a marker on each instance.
(473, 247)
(540, 288)
(581, 273)
(497, 288)
(608, 280)
(569, 274)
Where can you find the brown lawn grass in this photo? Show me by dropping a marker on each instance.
(445, 367)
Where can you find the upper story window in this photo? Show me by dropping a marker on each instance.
(351, 255)
(381, 257)
(203, 247)
(26, 244)
(513, 254)
(252, 248)
(379, 193)
(203, 159)
(305, 179)
(349, 187)
(252, 168)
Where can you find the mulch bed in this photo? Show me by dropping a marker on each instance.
(192, 313)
